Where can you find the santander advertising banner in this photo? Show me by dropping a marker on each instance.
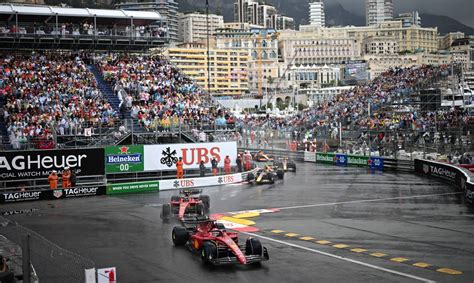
(165, 156)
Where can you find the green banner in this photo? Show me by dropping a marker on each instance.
(129, 188)
(119, 159)
(357, 160)
(325, 158)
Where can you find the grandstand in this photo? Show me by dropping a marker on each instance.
(27, 27)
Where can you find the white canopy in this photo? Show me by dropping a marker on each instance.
(41, 10)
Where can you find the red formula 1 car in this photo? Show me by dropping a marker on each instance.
(215, 245)
(188, 202)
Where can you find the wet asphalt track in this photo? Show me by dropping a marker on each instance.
(346, 208)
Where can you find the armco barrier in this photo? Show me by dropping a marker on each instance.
(12, 197)
(459, 177)
(174, 184)
(200, 182)
(376, 163)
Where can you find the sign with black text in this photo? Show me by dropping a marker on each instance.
(38, 164)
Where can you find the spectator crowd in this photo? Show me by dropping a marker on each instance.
(158, 95)
(49, 94)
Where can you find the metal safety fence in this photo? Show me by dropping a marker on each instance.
(51, 262)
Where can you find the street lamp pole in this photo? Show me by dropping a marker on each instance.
(208, 51)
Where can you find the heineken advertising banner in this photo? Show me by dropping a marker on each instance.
(357, 160)
(325, 158)
(119, 159)
(137, 187)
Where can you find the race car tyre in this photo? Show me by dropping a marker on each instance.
(180, 236)
(165, 211)
(175, 198)
(253, 247)
(208, 252)
(292, 165)
(250, 177)
(220, 226)
(205, 200)
(278, 165)
(200, 209)
(280, 174)
(271, 180)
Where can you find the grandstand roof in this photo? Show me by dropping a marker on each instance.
(42, 10)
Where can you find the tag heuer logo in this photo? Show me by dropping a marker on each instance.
(58, 193)
(426, 168)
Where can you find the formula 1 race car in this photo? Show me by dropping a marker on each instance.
(215, 245)
(265, 176)
(189, 201)
(262, 157)
(285, 164)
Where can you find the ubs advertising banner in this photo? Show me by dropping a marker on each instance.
(120, 159)
(165, 156)
(200, 182)
(20, 165)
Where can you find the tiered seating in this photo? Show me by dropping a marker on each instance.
(50, 94)
(158, 94)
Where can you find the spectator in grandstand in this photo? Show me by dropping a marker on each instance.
(179, 169)
(66, 178)
(202, 136)
(214, 166)
(227, 167)
(158, 94)
(202, 169)
(53, 180)
(50, 93)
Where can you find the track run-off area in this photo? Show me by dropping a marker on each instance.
(320, 224)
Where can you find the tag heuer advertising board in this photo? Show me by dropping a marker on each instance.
(120, 159)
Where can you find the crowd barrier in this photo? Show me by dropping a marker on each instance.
(173, 184)
(339, 159)
(35, 195)
(457, 176)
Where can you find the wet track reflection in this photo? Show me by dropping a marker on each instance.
(418, 229)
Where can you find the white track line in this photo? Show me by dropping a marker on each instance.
(343, 258)
(364, 200)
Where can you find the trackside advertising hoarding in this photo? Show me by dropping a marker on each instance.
(127, 158)
(309, 156)
(34, 195)
(325, 158)
(459, 177)
(38, 164)
(200, 182)
(137, 187)
(357, 160)
(164, 156)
